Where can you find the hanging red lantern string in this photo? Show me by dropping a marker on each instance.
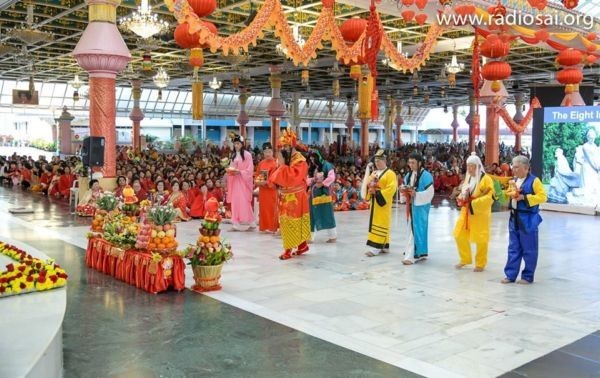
(496, 71)
(351, 30)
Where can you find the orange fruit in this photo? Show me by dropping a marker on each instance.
(151, 246)
(156, 240)
(214, 239)
(206, 239)
(171, 245)
(161, 246)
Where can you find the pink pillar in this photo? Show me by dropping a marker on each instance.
(455, 123)
(243, 118)
(398, 121)
(64, 126)
(518, 118)
(102, 52)
(472, 120)
(350, 124)
(492, 128)
(136, 116)
(276, 108)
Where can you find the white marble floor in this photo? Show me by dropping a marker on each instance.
(428, 318)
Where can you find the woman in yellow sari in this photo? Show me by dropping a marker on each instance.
(473, 225)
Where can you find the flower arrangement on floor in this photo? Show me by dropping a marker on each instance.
(163, 231)
(28, 274)
(210, 253)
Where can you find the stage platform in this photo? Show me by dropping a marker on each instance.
(429, 318)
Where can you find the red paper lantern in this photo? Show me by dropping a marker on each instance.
(421, 18)
(464, 9)
(592, 48)
(541, 4)
(213, 29)
(328, 3)
(421, 4)
(494, 47)
(408, 3)
(570, 4)
(591, 59)
(569, 57)
(591, 36)
(570, 75)
(184, 39)
(353, 28)
(203, 8)
(542, 35)
(496, 71)
(408, 15)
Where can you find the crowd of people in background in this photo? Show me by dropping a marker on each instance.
(188, 179)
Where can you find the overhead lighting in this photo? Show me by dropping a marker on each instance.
(76, 83)
(214, 84)
(161, 80)
(143, 22)
(454, 67)
(27, 34)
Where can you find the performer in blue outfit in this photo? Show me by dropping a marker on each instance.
(526, 193)
(322, 176)
(418, 190)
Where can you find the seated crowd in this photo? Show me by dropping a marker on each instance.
(188, 180)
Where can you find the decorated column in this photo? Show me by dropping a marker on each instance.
(454, 123)
(102, 52)
(494, 98)
(136, 115)
(365, 89)
(398, 121)
(243, 118)
(518, 118)
(350, 123)
(64, 131)
(471, 120)
(388, 122)
(276, 108)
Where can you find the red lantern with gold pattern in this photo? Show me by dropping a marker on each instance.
(542, 35)
(569, 57)
(203, 8)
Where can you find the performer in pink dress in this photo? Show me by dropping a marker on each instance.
(240, 186)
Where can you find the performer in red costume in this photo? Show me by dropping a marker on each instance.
(294, 215)
(268, 217)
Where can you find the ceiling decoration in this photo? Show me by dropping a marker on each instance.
(66, 19)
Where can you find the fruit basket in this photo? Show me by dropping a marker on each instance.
(162, 230)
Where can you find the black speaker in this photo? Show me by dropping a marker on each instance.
(92, 151)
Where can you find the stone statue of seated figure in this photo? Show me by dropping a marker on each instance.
(564, 179)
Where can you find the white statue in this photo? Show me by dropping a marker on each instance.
(587, 166)
(564, 179)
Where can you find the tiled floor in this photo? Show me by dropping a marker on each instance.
(429, 318)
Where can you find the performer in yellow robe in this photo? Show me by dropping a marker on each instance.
(473, 224)
(379, 189)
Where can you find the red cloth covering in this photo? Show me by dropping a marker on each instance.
(136, 267)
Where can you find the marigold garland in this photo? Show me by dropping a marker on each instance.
(520, 127)
(271, 14)
(28, 274)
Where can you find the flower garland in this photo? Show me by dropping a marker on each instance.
(271, 14)
(520, 127)
(28, 274)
